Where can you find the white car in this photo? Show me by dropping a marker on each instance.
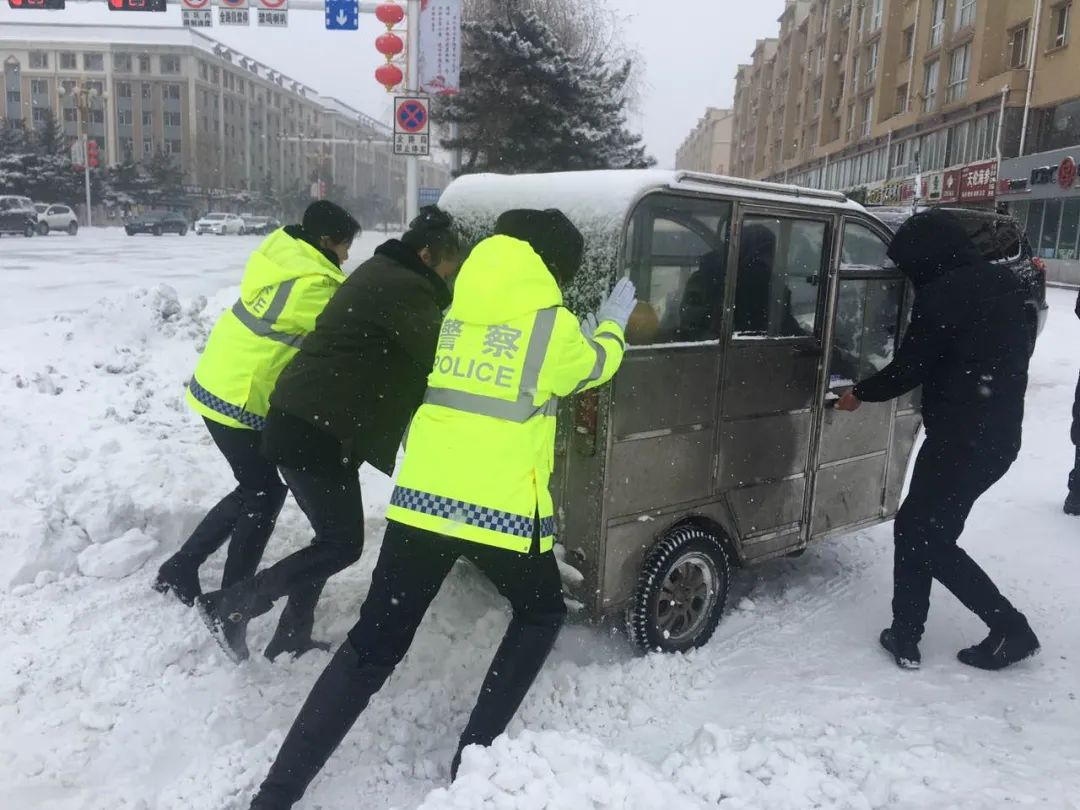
(220, 224)
(56, 218)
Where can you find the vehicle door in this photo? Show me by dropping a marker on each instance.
(772, 373)
(55, 216)
(861, 457)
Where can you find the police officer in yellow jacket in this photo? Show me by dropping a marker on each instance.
(473, 484)
(286, 284)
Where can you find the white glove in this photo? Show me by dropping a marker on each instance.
(619, 304)
(589, 324)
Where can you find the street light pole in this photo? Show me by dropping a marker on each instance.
(83, 98)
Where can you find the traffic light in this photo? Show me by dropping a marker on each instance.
(92, 154)
(49, 5)
(136, 5)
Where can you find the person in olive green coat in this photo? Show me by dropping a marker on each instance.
(286, 284)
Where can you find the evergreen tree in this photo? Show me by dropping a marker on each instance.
(165, 174)
(13, 139)
(49, 138)
(527, 105)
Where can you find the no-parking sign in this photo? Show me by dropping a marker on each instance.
(196, 13)
(274, 13)
(233, 12)
(412, 126)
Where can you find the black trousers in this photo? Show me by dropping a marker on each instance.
(1074, 476)
(330, 497)
(949, 476)
(247, 514)
(411, 567)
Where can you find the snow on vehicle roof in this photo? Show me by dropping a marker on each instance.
(598, 198)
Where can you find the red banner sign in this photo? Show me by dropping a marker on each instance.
(978, 182)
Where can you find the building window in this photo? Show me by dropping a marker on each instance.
(851, 120)
(871, 63)
(93, 61)
(901, 99)
(67, 61)
(124, 118)
(144, 64)
(172, 119)
(204, 72)
(172, 147)
(123, 89)
(868, 116)
(96, 87)
(170, 92)
(876, 8)
(39, 87)
(127, 148)
(907, 45)
(147, 91)
(930, 85)
(39, 114)
(122, 62)
(71, 115)
(937, 23)
(97, 116)
(147, 120)
(1060, 27)
(147, 147)
(965, 13)
(1018, 46)
(170, 64)
(959, 66)
(39, 60)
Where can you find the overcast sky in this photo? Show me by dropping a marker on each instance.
(689, 55)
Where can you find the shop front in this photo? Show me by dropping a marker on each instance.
(1043, 192)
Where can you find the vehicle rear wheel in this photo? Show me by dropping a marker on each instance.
(156, 231)
(73, 228)
(130, 232)
(29, 230)
(183, 230)
(43, 229)
(681, 591)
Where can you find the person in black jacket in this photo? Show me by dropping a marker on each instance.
(967, 347)
(346, 398)
(1072, 500)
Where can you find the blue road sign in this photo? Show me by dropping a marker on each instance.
(429, 196)
(342, 15)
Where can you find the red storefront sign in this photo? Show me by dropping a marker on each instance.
(978, 182)
(950, 186)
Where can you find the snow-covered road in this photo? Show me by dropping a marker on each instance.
(112, 697)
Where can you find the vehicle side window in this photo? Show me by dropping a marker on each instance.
(780, 272)
(677, 249)
(868, 310)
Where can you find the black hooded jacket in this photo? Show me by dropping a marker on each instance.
(967, 344)
(349, 393)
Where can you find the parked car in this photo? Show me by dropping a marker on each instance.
(157, 223)
(56, 218)
(17, 215)
(715, 445)
(220, 224)
(1002, 240)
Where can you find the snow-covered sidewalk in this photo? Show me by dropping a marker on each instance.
(113, 697)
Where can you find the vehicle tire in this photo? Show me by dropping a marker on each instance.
(73, 228)
(156, 231)
(182, 231)
(29, 230)
(43, 229)
(130, 232)
(681, 591)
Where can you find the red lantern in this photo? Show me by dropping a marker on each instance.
(389, 76)
(389, 45)
(389, 14)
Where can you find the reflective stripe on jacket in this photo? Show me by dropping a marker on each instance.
(481, 448)
(286, 284)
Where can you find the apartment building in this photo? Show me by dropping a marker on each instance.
(871, 94)
(231, 122)
(708, 147)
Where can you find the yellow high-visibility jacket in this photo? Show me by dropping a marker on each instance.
(286, 284)
(480, 450)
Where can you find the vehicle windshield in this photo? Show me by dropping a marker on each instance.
(41, 208)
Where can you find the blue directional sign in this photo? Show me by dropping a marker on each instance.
(342, 15)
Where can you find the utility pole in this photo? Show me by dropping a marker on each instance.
(412, 85)
(84, 97)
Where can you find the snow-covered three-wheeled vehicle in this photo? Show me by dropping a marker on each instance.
(715, 444)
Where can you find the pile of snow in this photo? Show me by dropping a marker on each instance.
(113, 697)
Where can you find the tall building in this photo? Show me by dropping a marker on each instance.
(868, 94)
(708, 147)
(231, 122)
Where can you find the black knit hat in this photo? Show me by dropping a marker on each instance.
(551, 234)
(324, 218)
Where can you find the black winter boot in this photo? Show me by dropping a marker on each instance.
(905, 653)
(179, 575)
(293, 635)
(226, 614)
(1001, 648)
(1072, 500)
